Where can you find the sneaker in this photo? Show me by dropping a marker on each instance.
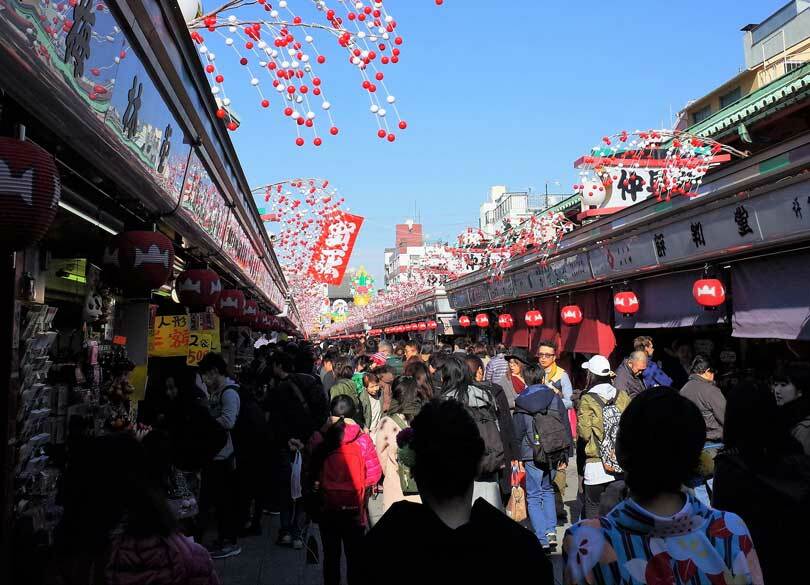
(552, 539)
(297, 544)
(284, 540)
(228, 550)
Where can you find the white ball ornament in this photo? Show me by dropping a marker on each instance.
(203, 49)
(211, 56)
(274, 13)
(232, 18)
(214, 89)
(305, 58)
(262, 45)
(282, 4)
(381, 112)
(232, 29)
(308, 38)
(361, 35)
(326, 105)
(254, 82)
(391, 99)
(311, 115)
(356, 60)
(280, 87)
(226, 102)
(229, 41)
(374, 108)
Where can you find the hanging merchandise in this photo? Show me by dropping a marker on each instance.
(198, 288)
(482, 320)
(709, 292)
(533, 318)
(231, 304)
(30, 190)
(464, 321)
(626, 302)
(505, 321)
(139, 261)
(571, 315)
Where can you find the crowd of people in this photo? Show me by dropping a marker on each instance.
(409, 455)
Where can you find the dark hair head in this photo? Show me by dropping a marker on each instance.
(343, 406)
(548, 343)
(370, 378)
(343, 368)
(454, 375)
(282, 360)
(479, 349)
(213, 362)
(362, 363)
(500, 349)
(661, 436)
(405, 397)
(426, 349)
(371, 345)
(462, 343)
(448, 449)
(331, 355)
(412, 344)
(386, 346)
(437, 360)
(701, 364)
(533, 374)
(474, 363)
(419, 372)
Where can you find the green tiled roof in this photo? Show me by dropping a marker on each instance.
(764, 101)
(564, 205)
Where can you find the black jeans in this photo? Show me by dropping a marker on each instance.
(219, 490)
(341, 530)
(592, 495)
(253, 488)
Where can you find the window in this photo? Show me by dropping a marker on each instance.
(730, 97)
(701, 114)
(791, 66)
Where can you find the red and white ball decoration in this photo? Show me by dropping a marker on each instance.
(626, 303)
(505, 321)
(464, 321)
(139, 261)
(709, 292)
(276, 50)
(231, 304)
(571, 314)
(533, 318)
(198, 287)
(30, 190)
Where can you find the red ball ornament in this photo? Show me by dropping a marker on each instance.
(321, 59)
(198, 287)
(381, 133)
(571, 315)
(30, 190)
(709, 292)
(334, 130)
(232, 126)
(626, 303)
(403, 124)
(231, 304)
(505, 321)
(391, 137)
(317, 142)
(139, 261)
(265, 103)
(464, 321)
(299, 141)
(533, 318)
(482, 320)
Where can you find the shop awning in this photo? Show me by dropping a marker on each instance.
(594, 334)
(772, 297)
(666, 301)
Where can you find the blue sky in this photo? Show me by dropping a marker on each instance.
(495, 93)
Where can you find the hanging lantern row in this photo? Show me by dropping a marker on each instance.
(138, 261)
(198, 288)
(506, 321)
(421, 326)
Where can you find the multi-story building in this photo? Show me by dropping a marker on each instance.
(408, 246)
(778, 45)
(506, 208)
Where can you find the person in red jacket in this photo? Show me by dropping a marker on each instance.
(345, 468)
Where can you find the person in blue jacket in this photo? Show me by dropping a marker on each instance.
(653, 374)
(537, 397)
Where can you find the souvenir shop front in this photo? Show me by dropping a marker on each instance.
(129, 241)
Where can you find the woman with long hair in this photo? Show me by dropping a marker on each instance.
(405, 405)
(344, 465)
(420, 372)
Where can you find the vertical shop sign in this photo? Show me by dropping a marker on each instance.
(199, 345)
(169, 336)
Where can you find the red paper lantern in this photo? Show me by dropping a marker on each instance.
(571, 315)
(231, 304)
(139, 261)
(251, 312)
(533, 318)
(422, 326)
(29, 193)
(260, 321)
(401, 329)
(626, 302)
(464, 321)
(432, 325)
(482, 320)
(505, 321)
(709, 292)
(412, 326)
(198, 287)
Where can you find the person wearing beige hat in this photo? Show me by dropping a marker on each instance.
(601, 397)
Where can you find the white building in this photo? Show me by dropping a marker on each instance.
(504, 207)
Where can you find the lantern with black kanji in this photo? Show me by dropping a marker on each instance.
(29, 193)
(626, 303)
(571, 315)
(251, 312)
(709, 292)
(198, 287)
(139, 260)
(505, 321)
(231, 304)
(464, 321)
(533, 319)
(432, 325)
(482, 320)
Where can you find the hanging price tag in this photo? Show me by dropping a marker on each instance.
(199, 344)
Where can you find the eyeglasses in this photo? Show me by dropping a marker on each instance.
(545, 355)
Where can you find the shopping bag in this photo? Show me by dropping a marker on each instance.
(516, 508)
(572, 420)
(295, 479)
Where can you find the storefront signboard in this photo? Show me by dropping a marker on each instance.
(169, 336)
(627, 255)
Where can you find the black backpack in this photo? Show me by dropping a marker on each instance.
(309, 391)
(197, 439)
(486, 419)
(552, 439)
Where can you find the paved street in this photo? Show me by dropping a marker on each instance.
(264, 563)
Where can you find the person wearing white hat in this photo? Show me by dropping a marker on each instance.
(591, 429)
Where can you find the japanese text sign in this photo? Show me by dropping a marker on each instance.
(199, 344)
(334, 249)
(169, 336)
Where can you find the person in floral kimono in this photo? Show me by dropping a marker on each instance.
(660, 534)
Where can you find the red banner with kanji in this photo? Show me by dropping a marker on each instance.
(334, 248)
